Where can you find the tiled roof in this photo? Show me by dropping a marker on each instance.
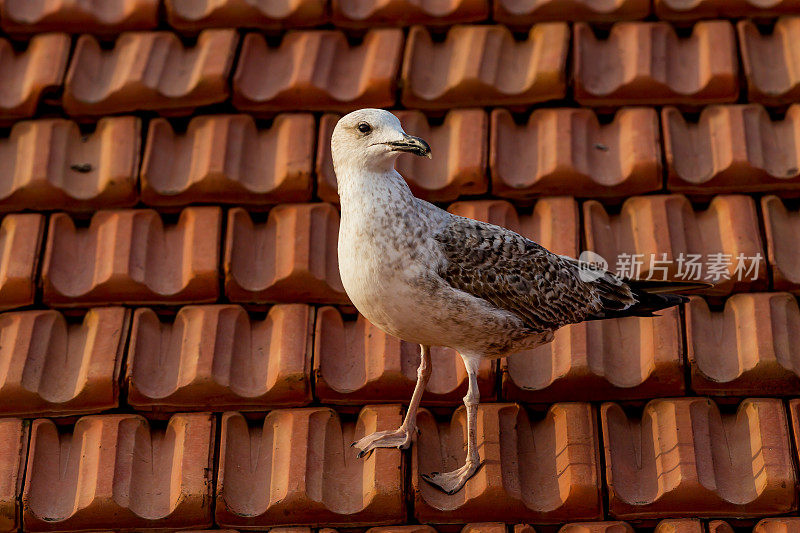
(177, 350)
(484, 65)
(567, 151)
(669, 460)
(649, 63)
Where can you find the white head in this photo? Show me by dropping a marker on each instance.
(371, 139)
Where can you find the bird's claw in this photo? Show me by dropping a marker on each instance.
(452, 482)
(396, 438)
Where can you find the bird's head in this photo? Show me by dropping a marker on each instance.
(371, 139)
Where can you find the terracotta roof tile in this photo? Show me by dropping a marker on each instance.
(781, 227)
(719, 526)
(297, 467)
(648, 63)
(517, 13)
(26, 75)
(215, 357)
(771, 61)
(676, 525)
(651, 226)
(458, 167)
(486, 527)
(404, 529)
(681, 10)
(227, 159)
(465, 69)
(596, 527)
(735, 148)
(55, 368)
(71, 170)
(115, 469)
(195, 15)
(358, 14)
(20, 241)
(680, 525)
(317, 70)
(355, 362)
(626, 358)
(132, 256)
(748, 349)
(567, 151)
(289, 258)
(538, 469)
(13, 453)
(787, 524)
(149, 71)
(106, 17)
(683, 457)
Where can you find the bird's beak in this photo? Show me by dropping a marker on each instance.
(411, 144)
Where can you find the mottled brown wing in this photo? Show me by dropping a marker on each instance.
(518, 275)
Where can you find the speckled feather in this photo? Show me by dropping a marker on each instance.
(516, 274)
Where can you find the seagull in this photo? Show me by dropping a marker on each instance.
(434, 278)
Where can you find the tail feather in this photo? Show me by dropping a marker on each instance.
(648, 297)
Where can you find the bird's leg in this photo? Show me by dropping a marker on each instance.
(452, 482)
(401, 437)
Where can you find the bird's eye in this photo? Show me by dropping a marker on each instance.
(364, 128)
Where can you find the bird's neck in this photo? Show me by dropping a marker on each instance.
(360, 190)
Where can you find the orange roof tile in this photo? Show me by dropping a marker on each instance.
(771, 61)
(149, 70)
(736, 148)
(216, 357)
(567, 151)
(680, 10)
(359, 14)
(653, 229)
(297, 467)
(50, 164)
(115, 469)
(291, 257)
(132, 256)
(458, 167)
(719, 526)
(355, 362)
(465, 69)
(682, 457)
(648, 63)
(623, 358)
(195, 15)
(401, 529)
(21, 240)
(596, 527)
(544, 470)
(786, 524)
(227, 159)
(486, 527)
(26, 75)
(14, 446)
(56, 368)
(781, 230)
(680, 525)
(317, 70)
(107, 17)
(518, 13)
(749, 349)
